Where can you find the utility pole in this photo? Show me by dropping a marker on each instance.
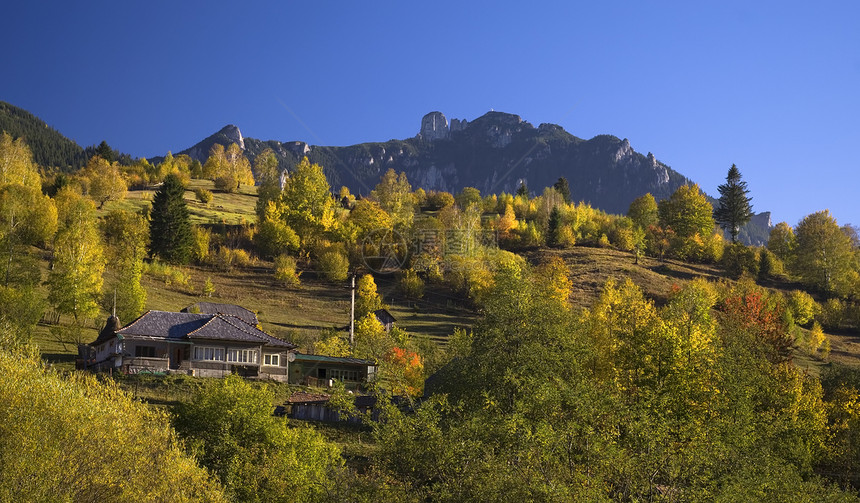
(352, 313)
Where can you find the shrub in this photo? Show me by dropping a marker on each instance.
(739, 259)
(276, 238)
(225, 183)
(50, 423)
(285, 270)
(770, 266)
(802, 306)
(200, 237)
(832, 313)
(228, 258)
(334, 265)
(203, 195)
(411, 284)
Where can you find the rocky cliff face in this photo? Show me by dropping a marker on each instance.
(493, 153)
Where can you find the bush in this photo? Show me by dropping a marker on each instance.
(832, 314)
(203, 195)
(257, 456)
(200, 238)
(50, 424)
(802, 306)
(276, 238)
(228, 258)
(770, 266)
(225, 183)
(334, 265)
(411, 284)
(739, 259)
(285, 270)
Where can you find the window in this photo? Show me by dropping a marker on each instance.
(271, 360)
(242, 355)
(208, 353)
(144, 351)
(343, 375)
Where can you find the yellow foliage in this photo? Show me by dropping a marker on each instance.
(76, 439)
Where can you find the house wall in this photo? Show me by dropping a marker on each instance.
(308, 373)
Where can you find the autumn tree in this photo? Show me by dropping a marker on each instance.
(16, 163)
(643, 211)
(734, 209)
(104, 181)
(824, 255)
(170, 226)
(268, 176)
(229, 167)
(26, 218)
(49, 423)
(305, 205)
(782, 242)
(126, 237)
(367, 300)
(257, 456)
(689, 215)
(76, 277)
(394, 194)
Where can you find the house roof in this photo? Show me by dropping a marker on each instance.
(198, 326)
(384, 316)
(332, 359)
(245, 314)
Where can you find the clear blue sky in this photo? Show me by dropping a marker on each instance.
(771, 86)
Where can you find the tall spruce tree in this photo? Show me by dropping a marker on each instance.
(170, 227)
(734, 210)
(563, 188)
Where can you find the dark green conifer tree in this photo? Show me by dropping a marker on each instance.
(170, 227)
(734, 208)
(563, 188)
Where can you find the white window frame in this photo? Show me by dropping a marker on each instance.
(242, 355)
(271, 359)
(209, 353)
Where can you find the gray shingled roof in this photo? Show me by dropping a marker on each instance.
(192, 326)
(246, 315)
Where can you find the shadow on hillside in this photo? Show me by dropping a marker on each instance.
(59, 357)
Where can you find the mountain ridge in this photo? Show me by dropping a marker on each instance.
(494, 153)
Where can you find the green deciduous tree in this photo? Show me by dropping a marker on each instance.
(643, 211)
(230, 426)
(824, 255)
(170, 227)
(734, 209)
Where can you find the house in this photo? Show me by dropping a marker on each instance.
(385, 318)
(199, 344)
(244, 314)
(315, 407)
(320, 370)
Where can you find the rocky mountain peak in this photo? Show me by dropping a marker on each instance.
(233, 134)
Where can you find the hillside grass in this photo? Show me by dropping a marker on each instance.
(301, 314)
(233, 208)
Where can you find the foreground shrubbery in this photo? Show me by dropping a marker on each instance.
(77, 439)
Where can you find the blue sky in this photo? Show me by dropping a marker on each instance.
(769, 86)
